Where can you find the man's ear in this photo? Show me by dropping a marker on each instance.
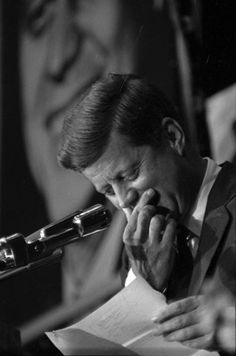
(174, 134)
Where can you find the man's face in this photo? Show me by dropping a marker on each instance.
(124, 172)
(64, 46)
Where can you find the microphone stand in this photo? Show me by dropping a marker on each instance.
(20, 254)
(53, 258)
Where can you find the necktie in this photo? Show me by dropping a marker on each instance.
(182, 270)
(192, 243)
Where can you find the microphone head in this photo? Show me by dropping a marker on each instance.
(92, 220)
(81, 223)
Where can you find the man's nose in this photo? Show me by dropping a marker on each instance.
(63, 42)
(127, 198)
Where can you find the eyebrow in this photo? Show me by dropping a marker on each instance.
(116, 176)
(124, 171)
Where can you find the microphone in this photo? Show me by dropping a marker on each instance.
(17, 250)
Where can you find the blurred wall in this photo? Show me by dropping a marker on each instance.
(219, 71)
(23, 207)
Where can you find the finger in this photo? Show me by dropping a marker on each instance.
(178, 308)
(143, 223)
(169, 234)
(202, 342)
(129, 232)
(176, 323)
(150, 197)
(127, 212)
(146, 198)
(155, 230)
(132, 220)
(192, 333)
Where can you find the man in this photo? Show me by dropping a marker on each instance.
(127, 139)
(64, 46)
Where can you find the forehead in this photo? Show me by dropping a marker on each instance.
(118, 157)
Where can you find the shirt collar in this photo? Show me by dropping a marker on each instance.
(194, 220)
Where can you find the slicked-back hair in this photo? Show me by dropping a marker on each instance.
(122, 103)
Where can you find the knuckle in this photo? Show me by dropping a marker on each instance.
(179, 307)
(194, 302)
(171, 225)
(189, 333)
(168, 245)
(184, 334)
(147, 211)
(128, 233)
(180, 322)
(191, 343)
(155, 222)
(171, 221)
(144, 199)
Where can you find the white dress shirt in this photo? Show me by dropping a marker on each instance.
(194, 220)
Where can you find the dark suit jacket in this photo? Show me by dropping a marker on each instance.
(216, 256)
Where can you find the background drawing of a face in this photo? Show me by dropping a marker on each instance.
(64, 46)
(54, 49)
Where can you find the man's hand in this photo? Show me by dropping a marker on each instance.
(150, 241)
(183, 321)
(220, 315)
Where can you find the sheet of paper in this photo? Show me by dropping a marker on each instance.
(126, 315)
(77, 342)
(150, 345)
(124, 320)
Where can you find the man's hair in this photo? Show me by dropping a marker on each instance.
(121, 103)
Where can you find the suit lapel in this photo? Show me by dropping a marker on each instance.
(212, 231)
(214, 225)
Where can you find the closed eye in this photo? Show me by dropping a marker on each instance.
(133, 175)
(108, 191)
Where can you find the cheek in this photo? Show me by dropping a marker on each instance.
(150, 181)
(161, 181)
(114, 201)
(144, 182)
